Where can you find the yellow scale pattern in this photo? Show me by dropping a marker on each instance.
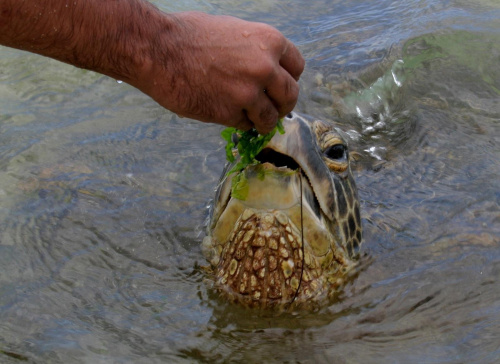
(262, 263)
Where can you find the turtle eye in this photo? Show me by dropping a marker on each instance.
(333, 147)
(336, 152)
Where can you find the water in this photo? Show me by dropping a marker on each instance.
(103, 199)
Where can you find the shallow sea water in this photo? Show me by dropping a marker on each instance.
(103, 199)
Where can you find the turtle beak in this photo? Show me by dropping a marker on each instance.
(299, 145)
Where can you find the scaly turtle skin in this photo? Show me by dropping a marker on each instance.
(298, 231)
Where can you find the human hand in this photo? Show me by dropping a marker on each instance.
(223, 70)
(216, 69)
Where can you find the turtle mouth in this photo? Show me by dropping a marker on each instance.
(268, 155)
(280, 160)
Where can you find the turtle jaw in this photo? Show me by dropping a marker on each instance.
(267, 263)
(274, 248)
(261, 264)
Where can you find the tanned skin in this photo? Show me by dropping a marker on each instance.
(216, 69)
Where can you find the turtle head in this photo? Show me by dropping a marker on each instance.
(296, 231)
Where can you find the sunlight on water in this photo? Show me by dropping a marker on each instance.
(103, 199)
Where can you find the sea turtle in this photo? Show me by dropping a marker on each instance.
(297, 232)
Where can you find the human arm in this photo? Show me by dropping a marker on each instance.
(211, 68)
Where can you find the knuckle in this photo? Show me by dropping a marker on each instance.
(266, 69)
(226, 116)
(268, 116)
(246, 96)
(302, 63)
(244, 125)
(291, 90)
(269, 31)
(291, 94)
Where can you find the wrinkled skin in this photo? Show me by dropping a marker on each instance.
(297, 232)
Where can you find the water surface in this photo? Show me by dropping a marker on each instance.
(103, 199)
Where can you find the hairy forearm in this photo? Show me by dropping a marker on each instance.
(211, 68)
(107, 36)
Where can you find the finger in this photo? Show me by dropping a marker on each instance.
(292, 61)
(263, 114)
(283, 90)
(243, 123)
(232, 116)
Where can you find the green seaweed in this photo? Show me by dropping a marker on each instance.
(249, 144)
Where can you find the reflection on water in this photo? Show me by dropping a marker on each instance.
(103, 198)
